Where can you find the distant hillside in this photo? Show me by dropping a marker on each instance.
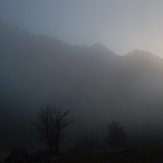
(96, 84)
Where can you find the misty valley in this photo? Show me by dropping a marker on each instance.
(115, 102)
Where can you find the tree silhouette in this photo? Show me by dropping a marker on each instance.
(117, 135)
(51, 121)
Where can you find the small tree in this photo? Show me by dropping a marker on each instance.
(51, 121)
(117, 135)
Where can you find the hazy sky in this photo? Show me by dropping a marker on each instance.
(121, 25)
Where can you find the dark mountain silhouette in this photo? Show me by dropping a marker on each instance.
(96, 84)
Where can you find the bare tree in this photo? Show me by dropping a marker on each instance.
(51, 121)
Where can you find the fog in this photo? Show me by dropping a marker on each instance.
(96, 84)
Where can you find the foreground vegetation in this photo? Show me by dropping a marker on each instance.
(51, 121)
(149, 153)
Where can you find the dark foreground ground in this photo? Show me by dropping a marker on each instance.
(151, 153)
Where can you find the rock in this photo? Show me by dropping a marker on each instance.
(17, 156)
(21, 156)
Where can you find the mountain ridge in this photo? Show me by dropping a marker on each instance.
(140, 53)
(97, 85)
(5, 27)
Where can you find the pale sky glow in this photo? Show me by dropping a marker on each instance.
(121, 25)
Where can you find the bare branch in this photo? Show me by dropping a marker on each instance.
(51, 122)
